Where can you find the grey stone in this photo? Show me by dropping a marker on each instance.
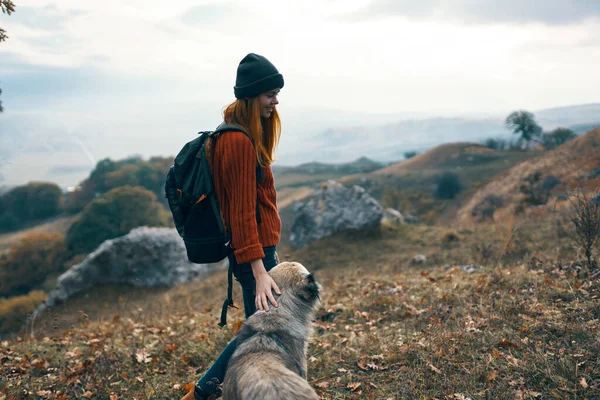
(331, 209)
(368, 184)
(392, 215)
(411, 219)
(470, 268)
(145, 257)
(419, 259)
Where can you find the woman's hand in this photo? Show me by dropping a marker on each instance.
(264, 285)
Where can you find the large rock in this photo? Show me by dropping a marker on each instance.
(145, 257)
(411, 219)
(331, 209)
(392, 215)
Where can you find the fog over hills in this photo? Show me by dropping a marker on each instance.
(33, 146)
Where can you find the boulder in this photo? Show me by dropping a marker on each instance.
(333, 208)
(412, 219)
(419, 259)
(145, 257)
(392, 215)
(470, 268)
(369, 184)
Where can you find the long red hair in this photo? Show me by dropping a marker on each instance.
(264, 132)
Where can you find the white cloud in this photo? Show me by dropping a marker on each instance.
(388, 65)
(551, 12)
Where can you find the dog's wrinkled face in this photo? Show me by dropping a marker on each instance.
(294, 277)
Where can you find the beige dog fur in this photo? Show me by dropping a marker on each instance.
(269, 362)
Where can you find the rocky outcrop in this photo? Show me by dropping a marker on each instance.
(412, 219)
(331, 209)
(145, 257)
(392, 215)
(419, 259)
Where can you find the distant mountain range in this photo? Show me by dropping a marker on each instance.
(361, 165)
(388, 142)
(35, 149)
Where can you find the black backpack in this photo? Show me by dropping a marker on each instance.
(190, 192)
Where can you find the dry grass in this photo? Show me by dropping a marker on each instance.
(59, 224)
(569, 163)
(438, 157)
(522, 326)
(287, 195)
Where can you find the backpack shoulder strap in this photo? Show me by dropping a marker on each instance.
(260, 173)
(225, 127)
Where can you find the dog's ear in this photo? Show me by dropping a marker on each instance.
(311, 288)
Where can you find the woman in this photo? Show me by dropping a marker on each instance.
(249, 209)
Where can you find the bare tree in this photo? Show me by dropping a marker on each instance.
(585, 216)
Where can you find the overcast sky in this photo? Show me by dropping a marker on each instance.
(428, 56)
(148, 66)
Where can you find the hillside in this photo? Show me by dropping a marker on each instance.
(583, 128)
(389, 139)
(501, 310)
(409, 186)
(441, 156)
(58, 224)
(310, 173)
(568, 165)
(516, 324)
(569, 115)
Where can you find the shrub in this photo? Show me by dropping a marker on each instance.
(8, 221)
(15, 310)
(391, 197)
(33, 201)
(114, 214)
(585, 217)
(449, 237)
(482, 252)
(44, 200)
(409, 154)
(537, 190)
(496, 144)
(487, 207)
(109, 174)
(83, 194)
(557, 137)
(97, 176)
(448, 186)
(30, 261)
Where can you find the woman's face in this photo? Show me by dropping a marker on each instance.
(267, 102)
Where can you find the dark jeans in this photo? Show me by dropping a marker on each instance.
(243, 274)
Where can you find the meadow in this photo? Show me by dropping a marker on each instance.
(501, 311)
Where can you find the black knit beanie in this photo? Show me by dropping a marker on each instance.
(256, 75)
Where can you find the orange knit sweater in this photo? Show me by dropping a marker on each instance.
(234, 167)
